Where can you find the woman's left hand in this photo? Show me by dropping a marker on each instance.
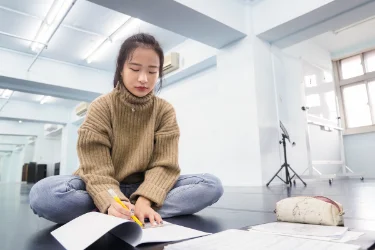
(143, 210)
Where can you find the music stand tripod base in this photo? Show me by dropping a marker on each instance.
(288, 180)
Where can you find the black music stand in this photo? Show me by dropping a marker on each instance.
(288, 180)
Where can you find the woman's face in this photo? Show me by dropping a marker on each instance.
(141, 72)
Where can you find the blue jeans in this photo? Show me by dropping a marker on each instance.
(62, 198)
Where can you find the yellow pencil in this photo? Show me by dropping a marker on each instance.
(117, 199)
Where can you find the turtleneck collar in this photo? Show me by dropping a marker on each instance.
(131, 100)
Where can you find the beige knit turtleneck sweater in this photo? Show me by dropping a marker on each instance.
(124, 136)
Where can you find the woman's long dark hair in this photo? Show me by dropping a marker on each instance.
(127, 49)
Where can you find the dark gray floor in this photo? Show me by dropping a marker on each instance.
(239, 207)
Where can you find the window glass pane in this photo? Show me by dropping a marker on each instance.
(310, 81)
(357, 109)
(370, 61)
(351, 67)
(371, 90)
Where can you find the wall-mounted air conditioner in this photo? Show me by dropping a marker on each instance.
(171, 62)
(81, 109)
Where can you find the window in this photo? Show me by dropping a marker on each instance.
(371, 91)
(357, 84)
(357, 107)
(370, 61)
(351, 67)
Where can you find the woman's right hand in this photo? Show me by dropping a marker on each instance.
(117, 210)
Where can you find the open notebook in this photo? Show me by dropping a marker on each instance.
(86, 229)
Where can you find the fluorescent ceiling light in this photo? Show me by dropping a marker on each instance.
(45, 99)
(6, 93)
(19, 121)
(50, 23)
(124, 30)
(99, 51)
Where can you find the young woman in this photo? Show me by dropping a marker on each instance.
(128, 143)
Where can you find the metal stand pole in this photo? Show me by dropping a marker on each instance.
(288, 180)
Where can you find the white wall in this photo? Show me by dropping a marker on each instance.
(11, 167)
(57, 150)
(15, 166)
(268, 117)
(47, 151)
(216, 111)
(56, 155)
(69, 157)
(29, 153)
(4, 164)
(359, 152)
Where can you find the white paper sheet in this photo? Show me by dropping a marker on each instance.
(348, 236)
(169, 232)
(83, 231)
(86, 229)
(302, 229)
(244, 240)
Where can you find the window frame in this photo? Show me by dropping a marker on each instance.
(341, 83)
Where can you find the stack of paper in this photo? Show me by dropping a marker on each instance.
(326, 233)
(244, 240)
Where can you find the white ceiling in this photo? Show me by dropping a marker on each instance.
(86, 26)
(349, 38)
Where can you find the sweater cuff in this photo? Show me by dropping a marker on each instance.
(152, 192)
(103, 199)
